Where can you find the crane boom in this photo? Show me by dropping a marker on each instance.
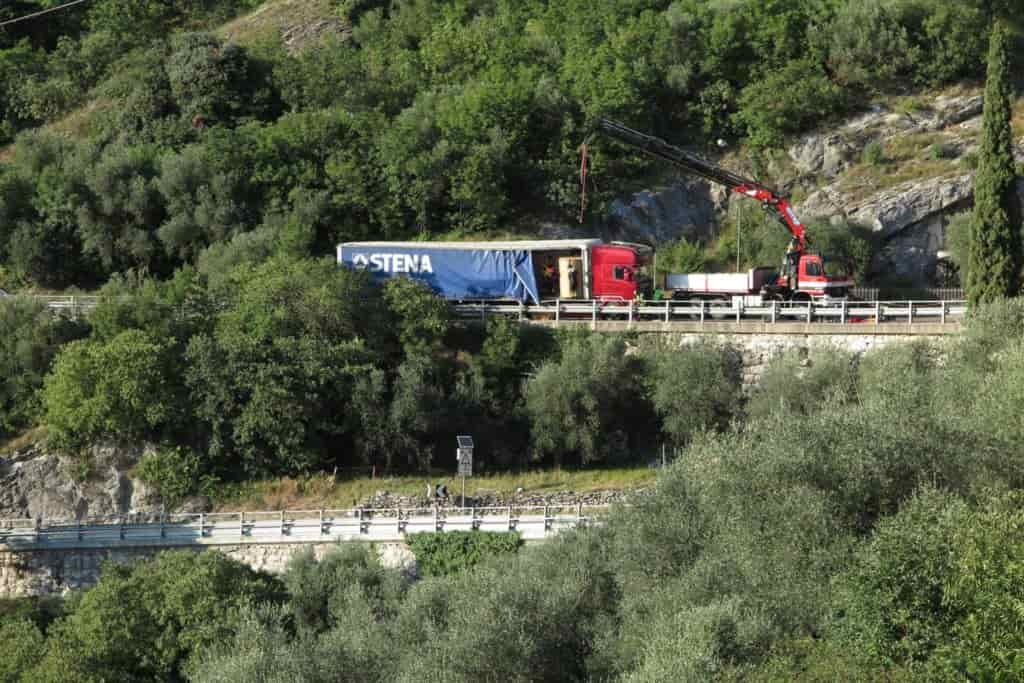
(659, 149)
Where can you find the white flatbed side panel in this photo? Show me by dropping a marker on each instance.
(716, 283)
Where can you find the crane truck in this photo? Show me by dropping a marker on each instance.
(804, 275)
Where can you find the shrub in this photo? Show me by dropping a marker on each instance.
(810, 98)
(794, 385)
(873, 154)
(119, 389)
(30, 337)
(586, 404)
(440, 554)
(694, 389)
(175, 473)
(891, 603)
(143, 621)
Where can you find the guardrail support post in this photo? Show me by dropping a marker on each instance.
(668, 310)
(508, 523)
(398, 516)
(630, 314)
(878, 312)
(322, 532)
(436, 527)
(910, 312)
(739, 310)
(809, 305)
(558, 311)
(359, 518)
(842, 313)
(281, 528)
(241, 524)
(202, 524)
(702, 303)
(579, 514)
(775, 308)
(163, 532)
(593, 312)
(520, 311)
(942, 314)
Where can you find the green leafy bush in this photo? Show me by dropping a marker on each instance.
(585, 405)
(174, 473)
(695, 389)
(873, 154)
(118, 389)
(30, 337)
(442, 554)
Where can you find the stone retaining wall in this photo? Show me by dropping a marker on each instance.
(48, 572)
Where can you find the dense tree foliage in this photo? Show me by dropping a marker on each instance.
(429, 118)
(869, 533)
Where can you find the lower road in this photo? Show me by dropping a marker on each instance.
(301, 526)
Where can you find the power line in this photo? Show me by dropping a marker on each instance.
(42, 12)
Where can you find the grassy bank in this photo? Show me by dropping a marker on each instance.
(324, 491)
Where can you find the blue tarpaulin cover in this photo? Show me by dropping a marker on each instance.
(453, 273)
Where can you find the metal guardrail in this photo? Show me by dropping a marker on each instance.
(533, 522)
(843, 312)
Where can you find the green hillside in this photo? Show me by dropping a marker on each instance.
(380, 119)
(853, 516)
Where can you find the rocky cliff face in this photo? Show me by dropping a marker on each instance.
(910, 217)
(39, 484)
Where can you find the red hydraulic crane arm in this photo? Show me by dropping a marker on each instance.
(659, 149)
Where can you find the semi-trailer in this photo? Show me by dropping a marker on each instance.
(528, 271)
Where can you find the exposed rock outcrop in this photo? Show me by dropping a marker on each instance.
(892, 210)
(40, 484)
(689, 209)
(828, 153)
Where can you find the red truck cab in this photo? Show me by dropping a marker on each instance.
(617, 271)
(819, 277)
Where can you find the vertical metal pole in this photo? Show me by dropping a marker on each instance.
(241, 524)
(739, 310)
(520, 311)
(878, 311)
(630, 313)
(702, 302)
(593, 312)
(321, 521)
(775, 305)
(463, 491)
(436, 527)
(668, 310)
(842, 313)
(942, 315)
(558, 310)
(808, 312)
(508, 523)
(910, 312)
(280, 530)
(662, 455)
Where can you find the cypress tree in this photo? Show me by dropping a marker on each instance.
(995, 253)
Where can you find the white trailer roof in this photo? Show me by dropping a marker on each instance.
(527, 245)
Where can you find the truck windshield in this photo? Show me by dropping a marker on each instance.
(836, 269)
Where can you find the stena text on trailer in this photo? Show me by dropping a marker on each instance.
(527, 271)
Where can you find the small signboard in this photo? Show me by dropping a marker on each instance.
(464, 455)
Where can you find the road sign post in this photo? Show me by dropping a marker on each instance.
(464, 458)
